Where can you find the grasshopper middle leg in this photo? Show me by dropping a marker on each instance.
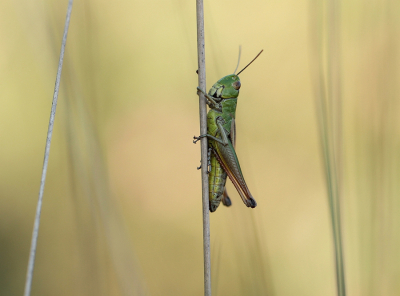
(208, 161)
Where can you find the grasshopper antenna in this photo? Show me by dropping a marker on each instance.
(240, 52)
(250, 62)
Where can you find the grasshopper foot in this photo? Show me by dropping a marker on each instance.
(251, 203)
(200, 90)
(196, 139)
(208, 168)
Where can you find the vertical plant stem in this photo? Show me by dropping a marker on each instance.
(335, 94)
(35, 232)
(329, 111)
(203, 130)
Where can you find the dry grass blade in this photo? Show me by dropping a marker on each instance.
(328, 102)
(203, 130)
(35, 232)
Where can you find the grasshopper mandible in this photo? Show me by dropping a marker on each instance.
(221, 133)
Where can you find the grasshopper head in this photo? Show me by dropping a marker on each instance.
(228, 87)
(225, 88)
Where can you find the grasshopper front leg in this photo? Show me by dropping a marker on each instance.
(210, 101)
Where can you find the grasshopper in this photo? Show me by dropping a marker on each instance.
(221, 132)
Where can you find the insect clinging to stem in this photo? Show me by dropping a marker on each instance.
(221, 133)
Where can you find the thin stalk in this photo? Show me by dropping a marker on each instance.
(35, 232)
(329, 112)
(334, 91)
(203, 130)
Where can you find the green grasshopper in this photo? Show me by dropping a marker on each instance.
(221, 132)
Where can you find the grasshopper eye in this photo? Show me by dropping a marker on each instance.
(236, 85)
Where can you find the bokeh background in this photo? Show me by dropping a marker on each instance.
(122, 205)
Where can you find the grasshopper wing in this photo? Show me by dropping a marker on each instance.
(226, 156)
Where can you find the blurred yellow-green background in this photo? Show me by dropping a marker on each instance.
(122, 206)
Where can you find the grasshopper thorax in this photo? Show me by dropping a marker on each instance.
(226, 88)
